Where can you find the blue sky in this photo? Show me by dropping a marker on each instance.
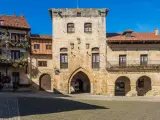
(138, 15)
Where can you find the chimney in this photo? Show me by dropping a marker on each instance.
(156, 31)
(127, 33)
(22, 16)
(14, 13)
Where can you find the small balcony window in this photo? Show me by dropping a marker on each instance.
(122, 60)
(15, 54)
(144, 59)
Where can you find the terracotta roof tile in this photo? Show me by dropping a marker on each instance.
(134, 36)
(38, 36)
(14, 21)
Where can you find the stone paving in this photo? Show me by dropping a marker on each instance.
(48, 106)
(9, 109)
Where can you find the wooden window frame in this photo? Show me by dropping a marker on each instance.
(88, 27)
(95, 60)
(42, 63)
(36, 47)
(70, 28)
(48, 47)
(142, 59)
(64, 61)
(15, 54)
(122, 60)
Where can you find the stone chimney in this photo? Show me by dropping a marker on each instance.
(156, 31)
(22, 16)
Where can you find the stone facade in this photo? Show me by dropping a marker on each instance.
(135, 79)
(79, 57)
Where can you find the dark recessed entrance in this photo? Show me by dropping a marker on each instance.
(80, 83)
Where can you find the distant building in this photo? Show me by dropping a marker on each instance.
(14, 36)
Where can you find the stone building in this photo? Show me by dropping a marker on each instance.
(81, 57)
(41, 65)
(14, 36)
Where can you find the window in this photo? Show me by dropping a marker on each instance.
(0, 51)
(122, 60)
(63, 61)
(141, 83)
(15, 54)
(42, 63)
(15, 78)
(16, 37)
(70, 27)
(144, 59)
(78, 14)
(48, 47)
(95, 60)
(88, 27)
(36, 46)
(1, 22)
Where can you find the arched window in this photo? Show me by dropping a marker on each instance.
(70, 28)
(95, 49)
(63, 49)
(88, 27)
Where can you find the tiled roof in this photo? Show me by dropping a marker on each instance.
(14, 21)
(134, 36)
(38, 36)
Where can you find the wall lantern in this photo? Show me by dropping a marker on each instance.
(79, 40)
(72, 45)
(87, 46)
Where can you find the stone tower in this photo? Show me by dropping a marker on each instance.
(79, 41)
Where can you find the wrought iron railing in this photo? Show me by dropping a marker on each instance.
(133, 65)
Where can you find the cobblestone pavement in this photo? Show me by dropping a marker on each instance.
(77, 107)
(9, 109)
(62, 109)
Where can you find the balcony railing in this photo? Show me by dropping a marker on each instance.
(133, 65)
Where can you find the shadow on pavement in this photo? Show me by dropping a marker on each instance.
(34, 106)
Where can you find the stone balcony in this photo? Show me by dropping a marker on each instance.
(133, 66)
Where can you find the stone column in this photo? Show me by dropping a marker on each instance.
(111, 90)
(133, 91)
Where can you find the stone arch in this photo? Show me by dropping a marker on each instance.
(76, 72)
(45, 82)
(143, 85)
(122, 86)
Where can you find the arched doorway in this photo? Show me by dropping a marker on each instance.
(45, 82)
(143, 85)
(80, 83)
(122, 86)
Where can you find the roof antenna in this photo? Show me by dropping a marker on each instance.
(77, 3)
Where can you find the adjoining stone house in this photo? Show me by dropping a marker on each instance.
(14, 36)
(41, 65)
(133, 63)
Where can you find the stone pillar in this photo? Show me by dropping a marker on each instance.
(133, 91)
(111, 90)
(92, 92)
